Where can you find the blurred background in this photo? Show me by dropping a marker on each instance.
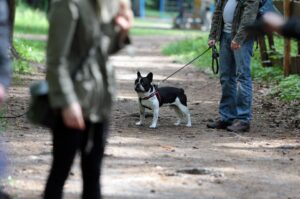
(187, 21)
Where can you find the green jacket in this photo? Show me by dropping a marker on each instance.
(77, 53)
(245, 14)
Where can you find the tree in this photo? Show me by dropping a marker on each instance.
(12, 14)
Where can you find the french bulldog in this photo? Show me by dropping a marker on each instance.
(151, 97)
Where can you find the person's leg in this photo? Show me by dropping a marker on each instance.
(244, 91)
(65, 144)
(227, 108)
(92, 151)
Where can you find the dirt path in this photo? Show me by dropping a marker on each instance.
(169, 162)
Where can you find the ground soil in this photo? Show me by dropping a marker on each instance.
(168, 162)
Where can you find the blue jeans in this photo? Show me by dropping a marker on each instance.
(236, 81)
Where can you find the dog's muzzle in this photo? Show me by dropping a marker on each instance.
(138, 88)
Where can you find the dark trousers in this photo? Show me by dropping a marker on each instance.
(66, 143)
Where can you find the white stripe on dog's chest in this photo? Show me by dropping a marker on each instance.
(149, 102)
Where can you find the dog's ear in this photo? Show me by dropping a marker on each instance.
(150, 77)
(139, 74)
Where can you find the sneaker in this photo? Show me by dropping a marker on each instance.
(239, 126)
(218, 124)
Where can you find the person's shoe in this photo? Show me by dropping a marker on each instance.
(218, 124)
(239, 126)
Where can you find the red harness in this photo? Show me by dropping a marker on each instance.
(156, 93)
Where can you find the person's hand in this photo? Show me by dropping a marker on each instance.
(211, 42)
(2, 93)
(235, 45)
(124, 18)
(73, 117)
(273, 22)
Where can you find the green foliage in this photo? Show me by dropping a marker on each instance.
(21, 66)
(188, 49)
(30, 21)
(152, 4)
(289, 88)
(162, 32)
(267, 74)
(30, 52)
(286, 88)
(33, 50)
(36, 4)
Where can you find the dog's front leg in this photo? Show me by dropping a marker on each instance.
(155, 117)
(142, 116)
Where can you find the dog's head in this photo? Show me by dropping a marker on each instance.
(143, 84)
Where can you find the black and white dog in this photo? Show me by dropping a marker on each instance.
(152, 97)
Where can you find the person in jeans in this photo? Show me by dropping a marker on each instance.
(82, 34)
(229, 22)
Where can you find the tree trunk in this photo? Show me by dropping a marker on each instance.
(12, 13)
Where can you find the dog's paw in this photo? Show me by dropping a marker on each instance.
(177, 123)
(139, 123)
(152, 126)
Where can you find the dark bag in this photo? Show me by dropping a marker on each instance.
(40, 111)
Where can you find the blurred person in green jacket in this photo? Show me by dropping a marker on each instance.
(82, 34)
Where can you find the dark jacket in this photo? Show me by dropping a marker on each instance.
(77, 52)
(291, 29)
(245, 14)
(5, 65)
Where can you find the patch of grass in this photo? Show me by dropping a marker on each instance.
(32, 50)
(286, 88)
(188, 49)
(30, 21)
(163, 32)
(29, 51)
(21, 66)
(3, 123)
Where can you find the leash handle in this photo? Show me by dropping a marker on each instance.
(215, 60)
